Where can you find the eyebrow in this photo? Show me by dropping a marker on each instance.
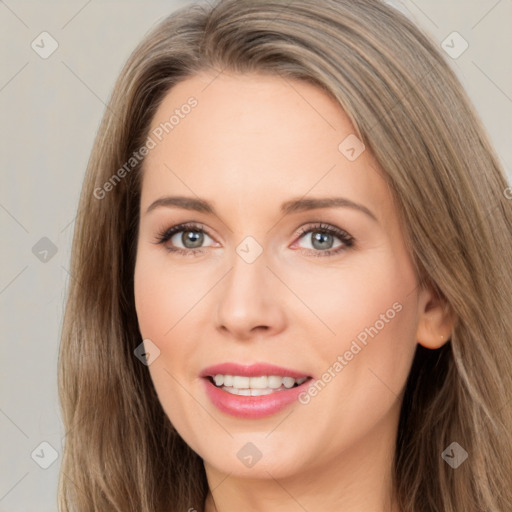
(288, 207)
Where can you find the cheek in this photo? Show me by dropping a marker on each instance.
(370, 300)
(153, 301)
(168, 302)
(163, 295)
(161, 303)
(374, 318)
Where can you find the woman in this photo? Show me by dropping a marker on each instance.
(212, 361)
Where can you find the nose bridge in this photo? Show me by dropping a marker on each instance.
(247, 281)
(248, 299)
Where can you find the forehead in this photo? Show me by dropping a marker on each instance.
(256, 136)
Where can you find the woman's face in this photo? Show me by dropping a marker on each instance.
(268, 275)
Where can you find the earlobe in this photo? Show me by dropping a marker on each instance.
(436, 321)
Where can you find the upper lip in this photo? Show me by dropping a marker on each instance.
(251, 370)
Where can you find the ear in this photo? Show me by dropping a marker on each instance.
(436, 319)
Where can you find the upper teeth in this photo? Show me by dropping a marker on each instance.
(261, 382)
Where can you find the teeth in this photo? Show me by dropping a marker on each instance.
(259, 392)
(275, 382)
(258, 382)
(255, 386)
(288, 382)
(241, 382)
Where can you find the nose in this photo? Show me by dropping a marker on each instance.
(250, 302)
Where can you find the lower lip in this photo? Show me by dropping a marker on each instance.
(252, 407)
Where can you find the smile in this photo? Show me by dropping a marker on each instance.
(253, 391)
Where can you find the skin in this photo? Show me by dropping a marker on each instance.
(253, 142)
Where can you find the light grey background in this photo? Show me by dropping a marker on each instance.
(51, 109)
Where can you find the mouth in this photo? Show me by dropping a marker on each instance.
(253, 391)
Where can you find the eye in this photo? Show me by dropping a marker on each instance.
(322, 237)
(191, 236)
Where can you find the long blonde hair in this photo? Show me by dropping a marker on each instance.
(121, 452)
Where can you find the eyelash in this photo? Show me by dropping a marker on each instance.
(348, 240)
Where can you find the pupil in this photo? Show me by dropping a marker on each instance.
(194, 237)
(321, 239)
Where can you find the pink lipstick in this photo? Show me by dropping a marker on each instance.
(253, 391)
